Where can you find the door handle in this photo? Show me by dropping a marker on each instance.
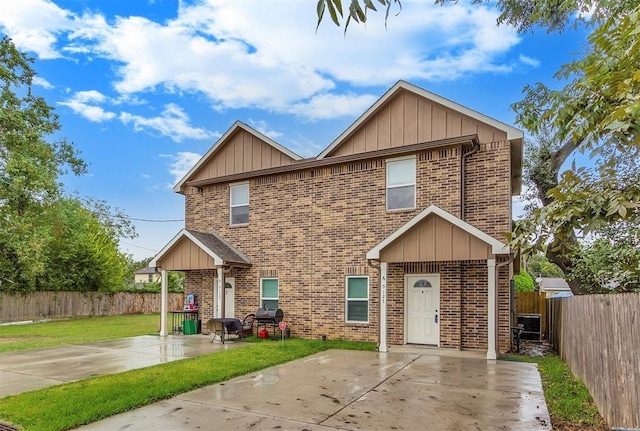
(436, 318)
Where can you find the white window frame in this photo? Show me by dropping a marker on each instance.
(232, 206)
(413, 183)
(262, 298)
(347, 300)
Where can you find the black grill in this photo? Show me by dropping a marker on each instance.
(269, 319)
(271, 316)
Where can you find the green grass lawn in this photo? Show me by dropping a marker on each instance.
(568, 400)
(67, 406)
(76, 331)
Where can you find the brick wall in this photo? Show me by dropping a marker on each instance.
(311, 229)
(463, 303)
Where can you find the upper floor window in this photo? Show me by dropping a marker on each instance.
(401, 184)
(239, 203)
(269, 293)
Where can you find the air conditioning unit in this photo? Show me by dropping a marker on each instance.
(531, 325)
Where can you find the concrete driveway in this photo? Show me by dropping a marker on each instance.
(35, 369)
(349, 390)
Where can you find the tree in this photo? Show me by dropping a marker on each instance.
(539, 266)
(30, 167)
(521, 14)
(598, 110)
(83, 254)
(587, 211)
(523, 282)
(610, 259)
(47, 241)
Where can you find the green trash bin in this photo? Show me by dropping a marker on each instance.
(189, 327)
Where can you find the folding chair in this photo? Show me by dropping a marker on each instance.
(216, 327)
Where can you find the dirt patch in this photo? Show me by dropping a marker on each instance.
(535, 348)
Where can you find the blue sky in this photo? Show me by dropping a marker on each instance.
(144, 87)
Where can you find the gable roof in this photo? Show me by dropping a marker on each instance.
(147, 270)
(238, 125)
(511, 132)
(497, 247)
(211, 243)
(553, 283)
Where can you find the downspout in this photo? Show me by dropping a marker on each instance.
(382, 304)
(474, 149)
(498, 266)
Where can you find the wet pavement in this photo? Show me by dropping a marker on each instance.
(404, 389)
(34, 369)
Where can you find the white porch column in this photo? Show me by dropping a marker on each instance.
(491, 308)
(164, 287)
(218, 297)
(383, 307)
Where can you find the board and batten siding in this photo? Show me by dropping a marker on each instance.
(435, 240)
(410, 119)
(186, 255)
(243, 152)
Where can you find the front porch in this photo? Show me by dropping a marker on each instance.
(209, 262)
(443, 283)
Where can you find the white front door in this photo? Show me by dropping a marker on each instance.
(423, 303)
(229, 297)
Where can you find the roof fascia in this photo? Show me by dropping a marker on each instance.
(315, 163)
(497, 247)
(222, 140)
(512, 132)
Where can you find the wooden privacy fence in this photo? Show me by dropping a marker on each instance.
(598, 336)
(19, 306)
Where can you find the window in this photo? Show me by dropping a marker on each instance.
(401, 184)
(420, 284)
(239, 203)
(269, 293)
(150, 278)
(357, 299)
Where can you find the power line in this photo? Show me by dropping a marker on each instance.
(139, 219)
(133, 245)
(151, 220)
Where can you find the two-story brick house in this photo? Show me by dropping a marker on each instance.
(393, 234)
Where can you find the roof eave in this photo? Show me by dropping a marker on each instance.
(512, 132)
(233, 129)
(314, 163)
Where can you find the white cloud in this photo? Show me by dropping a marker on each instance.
(329, 105)
(180, 163)
(264, 128)
(529, 61)
(34, 25)
(305, 147)
(172, 122)
(84, 103)
(267, 55)
(41, 82)
(91, 96)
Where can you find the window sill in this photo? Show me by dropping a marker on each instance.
(238, 225)
(401, 210)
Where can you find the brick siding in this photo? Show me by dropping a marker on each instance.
(311, 229)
